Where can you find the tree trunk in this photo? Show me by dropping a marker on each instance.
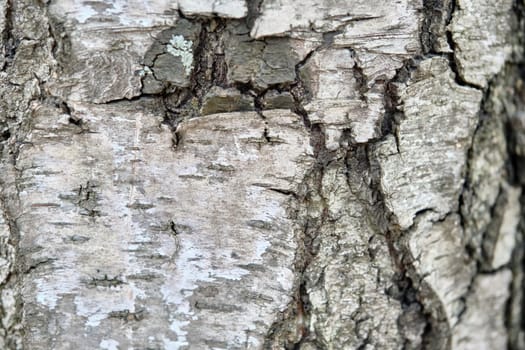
(267, 174)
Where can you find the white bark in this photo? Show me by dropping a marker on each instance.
(261, 175)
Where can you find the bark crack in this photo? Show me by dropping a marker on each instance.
(293, 328)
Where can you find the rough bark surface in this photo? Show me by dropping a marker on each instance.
(262, 174)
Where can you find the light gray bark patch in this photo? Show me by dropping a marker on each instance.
(431, 241)
(484, 328)
(325, 16)
(500, 236)
(221, 8)
(487, 160)
(481, 54)
(489, 203)
(133, 242)
(433, 120)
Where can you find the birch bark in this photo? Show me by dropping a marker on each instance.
(262, 174)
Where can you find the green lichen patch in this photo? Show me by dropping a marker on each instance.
(179, 47)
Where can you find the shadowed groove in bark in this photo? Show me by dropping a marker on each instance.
(10, 44)
(515, 311)
(435, 333)
(410, 291)
(183, 103)
(435, 31)
(460, 80)
(297, 316)
(407, 283)
(511, 78)
(211, 72)
(254, 10)
(290, 330)
(435, 13)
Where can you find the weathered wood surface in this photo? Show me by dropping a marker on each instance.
(262, 174)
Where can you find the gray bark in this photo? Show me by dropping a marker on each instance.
(262, 174)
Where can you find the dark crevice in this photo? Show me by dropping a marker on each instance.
(266, 135)
(173, 228)
(38, 264)
(510, 78)
(105, 281)
(254, 10)
(128, 316)
(328, 37)
(437, 14)
(393, 115)
(9, 41)
(75, 121)
(360, 78)
(515, 307)
(209, 70)
(298, 314)
(404, 288)
(5, 135)
(126, 99)
(435, 333)
(182, 15)
(300, 93)
(453, 63)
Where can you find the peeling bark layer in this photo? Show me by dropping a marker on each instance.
(262, 174)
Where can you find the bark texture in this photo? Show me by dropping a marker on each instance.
(265, 174)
